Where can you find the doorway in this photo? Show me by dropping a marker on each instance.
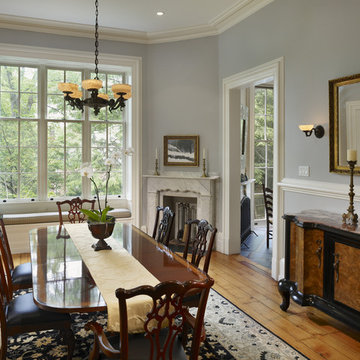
(231, 165)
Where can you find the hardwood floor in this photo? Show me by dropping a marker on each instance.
(250, 286)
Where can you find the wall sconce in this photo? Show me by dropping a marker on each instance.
(309, 129)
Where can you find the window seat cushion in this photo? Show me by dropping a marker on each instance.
(47, 217)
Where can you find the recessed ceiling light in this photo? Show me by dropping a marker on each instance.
(160, 13)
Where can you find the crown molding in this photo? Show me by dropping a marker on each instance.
(219, 24)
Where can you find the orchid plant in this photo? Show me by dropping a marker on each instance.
(87, 170)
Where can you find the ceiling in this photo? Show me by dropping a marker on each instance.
(135, 20)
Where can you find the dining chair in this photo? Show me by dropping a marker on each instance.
(268, 202)
(162, 229)
(20, 315)
(156, 342)
(74, 206)
(21, 275)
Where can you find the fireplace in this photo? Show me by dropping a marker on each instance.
(190, 197)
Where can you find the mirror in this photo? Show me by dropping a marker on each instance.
(344, 112)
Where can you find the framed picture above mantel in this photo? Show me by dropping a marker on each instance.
(181, 150)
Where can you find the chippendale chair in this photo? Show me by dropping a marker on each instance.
(268, 202)
(162, 230)
(21, 315)
(21, 275)
(74, 206)
(157, 342)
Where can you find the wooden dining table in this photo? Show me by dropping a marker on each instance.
(63, 283)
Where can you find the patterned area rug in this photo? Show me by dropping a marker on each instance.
(231, 334)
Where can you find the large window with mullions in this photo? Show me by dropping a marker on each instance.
(43, 141)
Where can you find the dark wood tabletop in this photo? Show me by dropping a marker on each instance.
(62, 282)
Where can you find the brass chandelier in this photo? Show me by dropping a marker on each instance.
(73, 95)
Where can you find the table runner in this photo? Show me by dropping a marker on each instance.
(110, 270)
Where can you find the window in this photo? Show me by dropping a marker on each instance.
(263, 143)
(43, 141)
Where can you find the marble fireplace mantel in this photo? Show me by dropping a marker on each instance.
(201, 188)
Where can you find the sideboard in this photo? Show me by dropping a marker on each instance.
(322, 265)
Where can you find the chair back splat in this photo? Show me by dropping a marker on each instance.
(200, 246)
(268, 202)
(164, 322)
(162, 229)
(74, 206)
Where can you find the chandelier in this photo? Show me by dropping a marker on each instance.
(73, 95)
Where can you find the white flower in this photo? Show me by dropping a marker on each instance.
(129, 151)
(116, 155)
(87, 171)
(110, 161)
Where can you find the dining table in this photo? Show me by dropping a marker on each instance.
(69, 276)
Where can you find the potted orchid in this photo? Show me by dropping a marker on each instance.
(100, 223)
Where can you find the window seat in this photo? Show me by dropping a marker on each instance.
(48, 217)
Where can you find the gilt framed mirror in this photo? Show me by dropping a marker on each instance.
(344, 124)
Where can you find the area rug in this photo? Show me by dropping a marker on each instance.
(231, 334)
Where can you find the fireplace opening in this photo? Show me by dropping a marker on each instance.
(185, 209)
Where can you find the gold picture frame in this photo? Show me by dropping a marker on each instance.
(181, 150)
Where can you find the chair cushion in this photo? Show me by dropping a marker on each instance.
(22, 274)
(23, 311)
(139, 346)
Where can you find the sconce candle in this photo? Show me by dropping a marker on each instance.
(351, 155)
(204, 153)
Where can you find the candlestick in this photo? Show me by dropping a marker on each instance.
(350, 218)
(351, 155)
(204, 168)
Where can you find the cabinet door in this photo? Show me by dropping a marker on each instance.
(306, 259)
(346, 275)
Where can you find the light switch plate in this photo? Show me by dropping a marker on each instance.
(304, 170)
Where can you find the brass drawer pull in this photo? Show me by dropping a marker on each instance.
(336, 266)
(318, 252)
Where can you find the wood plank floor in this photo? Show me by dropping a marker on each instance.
(250, 287)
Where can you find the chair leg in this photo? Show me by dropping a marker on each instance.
(3, 349)
(69, 340)
(267, 234)
(95, 351)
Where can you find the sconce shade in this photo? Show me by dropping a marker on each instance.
(309, 129)
(306, 127)
(92, 84)
(68, 87)
(121, 88)
(75, 94)
(104, 96)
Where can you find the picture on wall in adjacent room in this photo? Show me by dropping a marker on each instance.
(181, 150)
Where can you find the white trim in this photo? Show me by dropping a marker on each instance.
(240, 11)
(274, 69)
(131, 62)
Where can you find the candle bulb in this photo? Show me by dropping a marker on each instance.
(204, 153)
(351, 155)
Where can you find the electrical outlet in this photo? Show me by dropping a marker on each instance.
(304, 170)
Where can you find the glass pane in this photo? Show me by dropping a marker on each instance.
(100, 179)
(9, 104)
(73, 184)
(74, 135)
(101, 116)
(259, 180)
(28, 106)
(8, 133)
(259, 127)
(98, 135)
(73, 114)
(98, 157)
(55, 134)
(53, 78)
(55, 159)
(259, 101)
(270, 128)
(270, 101)
(73, 159)
(259, 154)
(9, 78)
(115, 115)
(29, 79)
(115, 183)
(29, 133)
(115, 136)
(55, 107)
(270, 172)
(270, 154)
(9, 159)
(28, 160)
(28, 186)
(8, 186)
(74, 77)
(56, 184)
(259, 207)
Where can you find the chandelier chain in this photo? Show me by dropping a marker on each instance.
(96, 40)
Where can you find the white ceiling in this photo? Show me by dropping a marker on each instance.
(136, 18)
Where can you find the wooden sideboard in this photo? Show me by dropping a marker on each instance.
(322, 265)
